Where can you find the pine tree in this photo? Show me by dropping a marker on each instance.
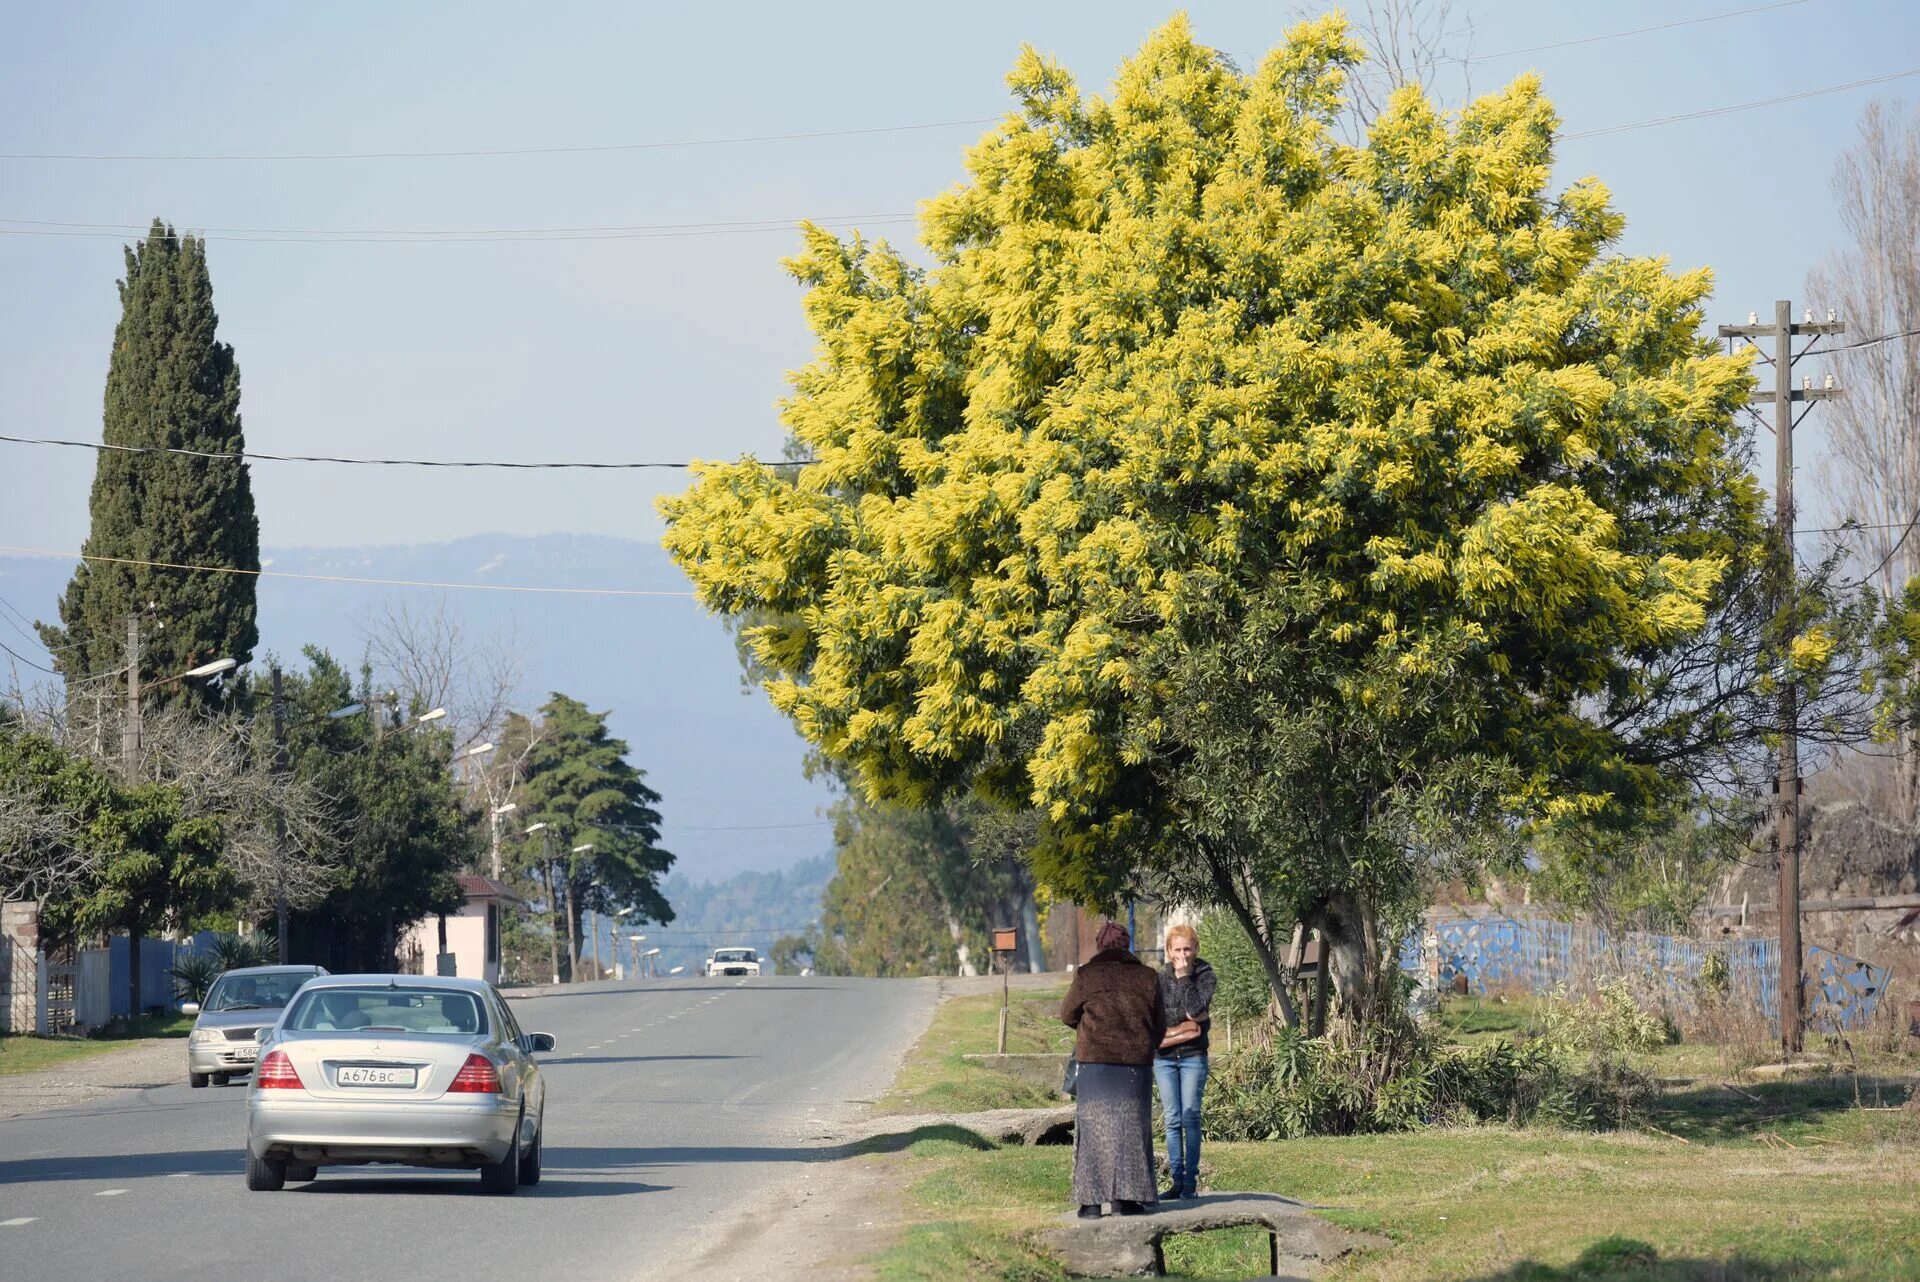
(170, 384)
(579, 783)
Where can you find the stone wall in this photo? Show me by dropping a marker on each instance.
(19, 968)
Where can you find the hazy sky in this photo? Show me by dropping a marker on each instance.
(672, 346)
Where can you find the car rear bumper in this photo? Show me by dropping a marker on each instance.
(223, 1057)
(426, 1133)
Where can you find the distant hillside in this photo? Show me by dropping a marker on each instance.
(751, 909)
(725, 763)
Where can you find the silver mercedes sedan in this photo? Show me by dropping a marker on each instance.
(405, 1069)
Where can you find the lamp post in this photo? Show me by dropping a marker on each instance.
(130, 768)
(553, 902)
(593, 927)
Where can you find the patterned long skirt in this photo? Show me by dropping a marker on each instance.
(1113, 1135)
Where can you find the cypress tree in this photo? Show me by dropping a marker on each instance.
(170, 383)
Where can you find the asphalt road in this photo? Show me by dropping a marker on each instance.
(671, 1105)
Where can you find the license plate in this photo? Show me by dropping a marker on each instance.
(244, 1052)
(355, 1075)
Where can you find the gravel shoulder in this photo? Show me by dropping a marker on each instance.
(156, 1061)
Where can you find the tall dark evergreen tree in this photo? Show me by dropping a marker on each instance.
(170, 383)
(579, 783)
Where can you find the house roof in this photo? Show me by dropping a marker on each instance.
(474, 886)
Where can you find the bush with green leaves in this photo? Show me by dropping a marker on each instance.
(237, 952)
(1609, 1023)
(1398, 1075)
(1241, 990)
(193, 975)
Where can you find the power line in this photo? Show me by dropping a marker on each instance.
(811, 823)
(429, 238)
(1637, 31)
(52, 672)
(488, 152)
(1742, 106)
(751, 223)
(347, 578)
(253, 456)
(1869, 342)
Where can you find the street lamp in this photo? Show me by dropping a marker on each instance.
(593, 929)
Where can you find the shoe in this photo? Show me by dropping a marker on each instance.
(1128, 1208)
(1190, 1191)
(1088, 1213)
(1172, 1193)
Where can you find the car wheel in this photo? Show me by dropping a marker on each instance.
(303, 1174)
(264, 1176)
(196, 1080)
(503, 1176)
(530, 1160)
(219, 1079)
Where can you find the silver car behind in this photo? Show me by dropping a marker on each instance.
(405, 1069)
(222, 1043)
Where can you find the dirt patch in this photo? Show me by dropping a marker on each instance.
(157, 1061)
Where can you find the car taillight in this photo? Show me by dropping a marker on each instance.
(477, 1075)
(276, 1073)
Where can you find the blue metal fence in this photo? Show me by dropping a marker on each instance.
(1539, 954)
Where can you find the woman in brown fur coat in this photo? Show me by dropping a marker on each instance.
(1116, 1007)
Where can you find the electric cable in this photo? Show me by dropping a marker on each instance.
(488, 152)
(347, 578)
(1741, 106)
(255, 456)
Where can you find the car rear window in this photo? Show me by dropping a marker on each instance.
(255, 992)
(407, 1010)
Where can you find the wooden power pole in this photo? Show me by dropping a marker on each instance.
(1783, 396)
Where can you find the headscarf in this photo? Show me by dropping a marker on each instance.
(1112, 935)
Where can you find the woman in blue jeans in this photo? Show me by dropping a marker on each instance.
(1180, 1066)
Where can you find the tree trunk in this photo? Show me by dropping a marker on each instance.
(573, 932)
(133, 971)
(1030, 927)
(1259, 933)
(1350, 933)
(553, 921)
(960, 946)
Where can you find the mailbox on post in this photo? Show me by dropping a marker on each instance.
(1006, 940)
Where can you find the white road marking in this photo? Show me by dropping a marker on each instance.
(17, 1221)
(181, 1175)
(110, 1192)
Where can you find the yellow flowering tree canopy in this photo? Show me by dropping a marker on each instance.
(1180, 349)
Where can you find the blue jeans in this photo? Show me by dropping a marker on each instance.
(1182, 1082)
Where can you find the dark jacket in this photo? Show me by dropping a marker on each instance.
(1115, 1003)
(1189, 998)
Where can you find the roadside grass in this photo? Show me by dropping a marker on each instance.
(937, 1078)
(1731, 1177)
(26, 1053)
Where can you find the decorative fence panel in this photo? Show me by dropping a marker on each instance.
(1539, 954)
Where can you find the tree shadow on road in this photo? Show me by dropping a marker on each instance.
(639, 1158)
(124, 1166)
(564, 1060)
(344, 1181)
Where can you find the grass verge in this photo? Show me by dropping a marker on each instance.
(1777, 1180)
(30, 1054)
(938, 1078)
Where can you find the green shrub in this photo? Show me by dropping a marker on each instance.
(1241, 991)
(236, 952)
(1398, 1075)
(1610, 1023)
(193, 975)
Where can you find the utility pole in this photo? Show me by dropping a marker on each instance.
(279, 816)
(1787, 785)
(130, 769)
(130, 731)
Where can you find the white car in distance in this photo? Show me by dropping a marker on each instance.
(732, 961)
